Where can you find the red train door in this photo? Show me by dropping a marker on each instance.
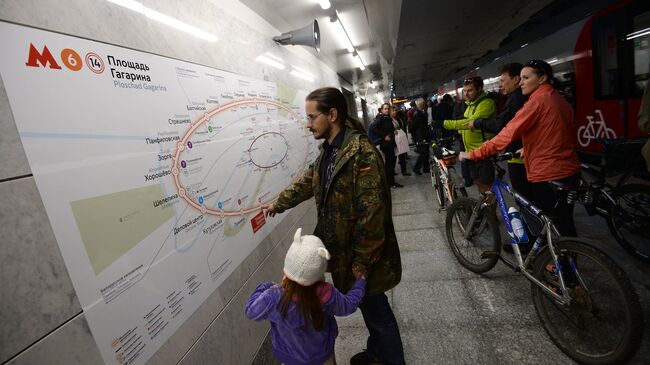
(611, 72)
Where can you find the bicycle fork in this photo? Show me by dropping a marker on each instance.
(549, 229)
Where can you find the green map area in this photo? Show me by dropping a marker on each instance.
(112, 224)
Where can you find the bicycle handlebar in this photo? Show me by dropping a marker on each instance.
(504, 156)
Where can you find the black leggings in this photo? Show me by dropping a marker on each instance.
(555, 205)
(391, 159)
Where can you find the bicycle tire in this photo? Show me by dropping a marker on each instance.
(608, 312)
(468, 252)
(628, 220)
(436, 182)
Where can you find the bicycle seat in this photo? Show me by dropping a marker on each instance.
(560, 186)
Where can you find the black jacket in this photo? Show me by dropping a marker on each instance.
(383, 126)
(515, 101)
(420, 130)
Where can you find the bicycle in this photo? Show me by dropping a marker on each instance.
(585, 302)
(625, 207)
(446, 183)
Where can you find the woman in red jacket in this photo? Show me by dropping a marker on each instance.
(546, 126)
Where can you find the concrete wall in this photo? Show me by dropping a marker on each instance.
(42, 321)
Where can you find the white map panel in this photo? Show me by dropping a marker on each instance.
(152, 172)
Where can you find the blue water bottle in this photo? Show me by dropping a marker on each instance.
(517, 225)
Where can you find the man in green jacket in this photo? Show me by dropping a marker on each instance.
(479, 105)
(354, 217)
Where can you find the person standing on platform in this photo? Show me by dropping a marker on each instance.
(353, 203)
(399, 125)
(302, 307)
(385, 130)
(509, 86)
(478, 106)
(421, 137)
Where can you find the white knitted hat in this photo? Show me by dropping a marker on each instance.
(306, 260)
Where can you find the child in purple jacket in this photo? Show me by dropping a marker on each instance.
(302, 308)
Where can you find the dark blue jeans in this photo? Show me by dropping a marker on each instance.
(384, 341)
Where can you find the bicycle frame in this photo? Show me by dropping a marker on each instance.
(445, 176)
(548, 229)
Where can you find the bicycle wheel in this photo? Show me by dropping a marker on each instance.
(603, 324)
(438, 188)
(485, 235)
(628, 220)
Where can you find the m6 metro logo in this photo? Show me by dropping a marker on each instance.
(69, 57)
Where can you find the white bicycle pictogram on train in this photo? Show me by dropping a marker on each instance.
(594, 129)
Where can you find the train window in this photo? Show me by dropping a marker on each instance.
(605, 56)
(640, 38)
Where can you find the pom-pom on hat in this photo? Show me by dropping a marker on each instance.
(306, 260)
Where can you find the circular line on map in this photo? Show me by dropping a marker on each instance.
(252, 149)
(186, 145)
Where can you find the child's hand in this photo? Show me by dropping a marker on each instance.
(358, 274)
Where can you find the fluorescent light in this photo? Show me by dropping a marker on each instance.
(638, 33)
(341, 34)
(523, 45)
(553, 60)
(273, 57)
(165, 19)
(476, 68)
(360, 63)
(264, 58)
(301, 75)
(324, 4)
(129, 4)
(302, 71)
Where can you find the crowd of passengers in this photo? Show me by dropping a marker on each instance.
(535, 122)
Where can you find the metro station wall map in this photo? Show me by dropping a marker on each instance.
(152, 172)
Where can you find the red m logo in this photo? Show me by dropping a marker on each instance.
(43, 58)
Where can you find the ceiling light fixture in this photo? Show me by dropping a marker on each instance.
(324, 4)
(301, 75)
(360, 63)
(138, 7)
(271, 60)
(342, 34)
(301, 70)
(638, 33)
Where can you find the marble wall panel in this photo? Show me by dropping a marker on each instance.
(71, 343)
(36, 291)
(14, 162)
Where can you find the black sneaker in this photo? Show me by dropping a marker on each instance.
(364, 358)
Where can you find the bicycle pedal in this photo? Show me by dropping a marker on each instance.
(489, 254)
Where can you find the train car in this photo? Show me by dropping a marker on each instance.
(602, 63)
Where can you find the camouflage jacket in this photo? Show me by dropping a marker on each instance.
(354, 218)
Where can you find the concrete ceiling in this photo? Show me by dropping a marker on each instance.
(439, 38)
